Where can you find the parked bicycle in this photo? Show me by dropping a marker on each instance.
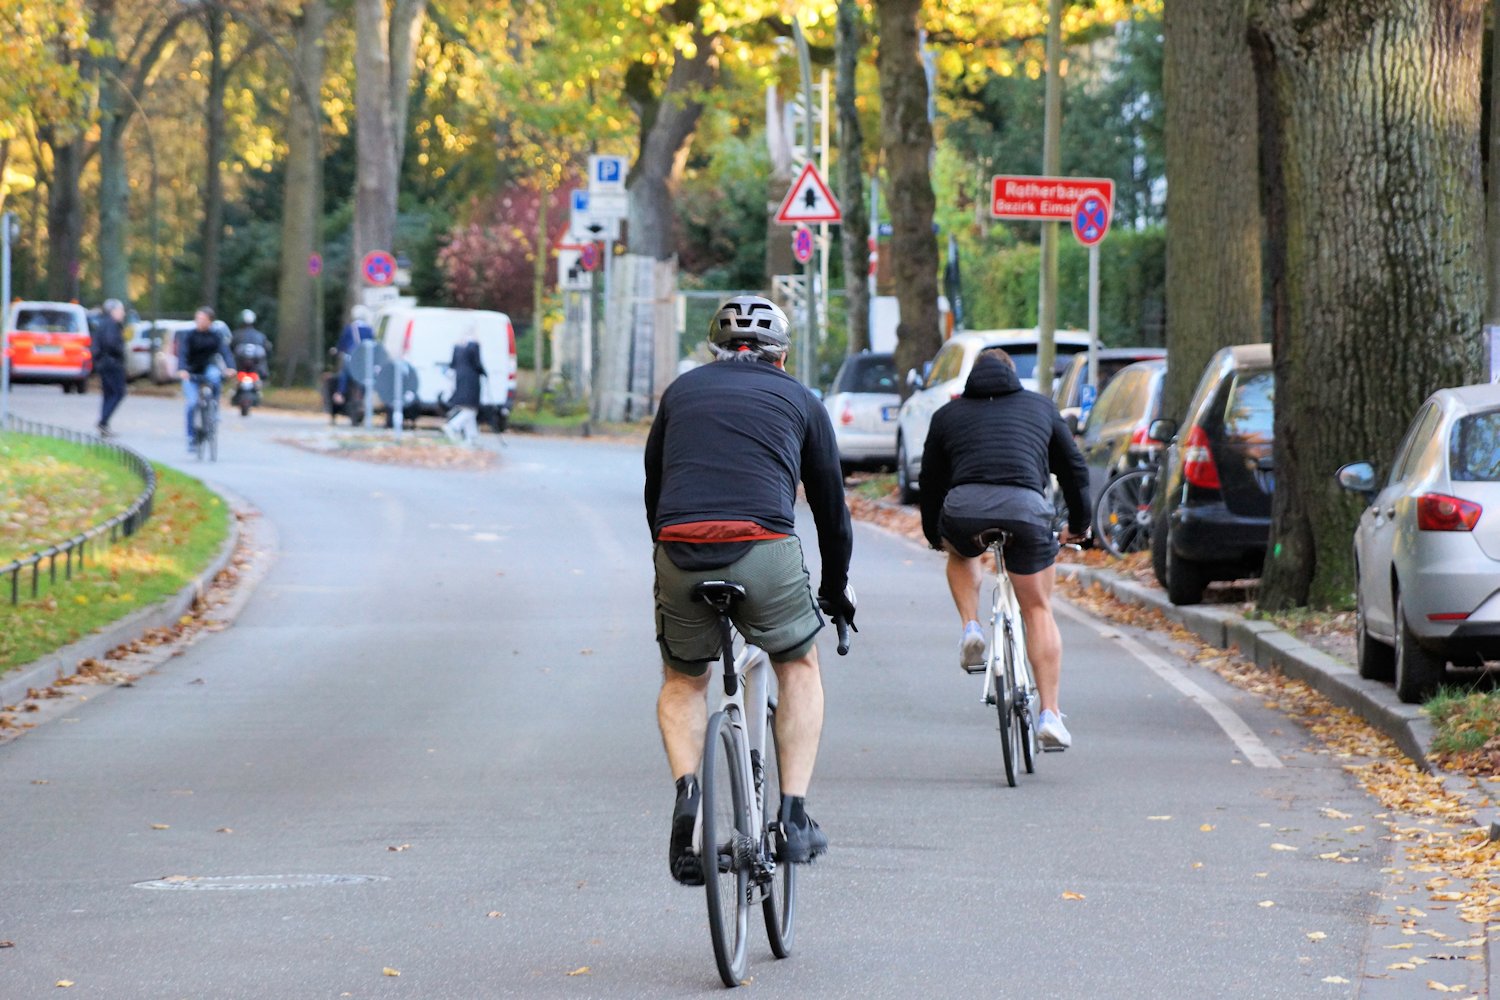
(1122, 513)
(737, 825)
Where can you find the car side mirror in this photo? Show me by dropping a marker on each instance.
(1358, 477)
(1075, 426)
(1162, 429)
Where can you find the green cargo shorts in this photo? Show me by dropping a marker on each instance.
(778, 613)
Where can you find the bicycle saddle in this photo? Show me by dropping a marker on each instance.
(990, 536)
(720, 593)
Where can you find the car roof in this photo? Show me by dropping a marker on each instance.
(44, 304)
(1139, 353)
(1473, 397)
(1250, 355)
(1147, 364)
(1028, 335)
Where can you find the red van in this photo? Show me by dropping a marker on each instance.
(50, 342)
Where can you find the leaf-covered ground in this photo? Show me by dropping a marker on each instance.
(187, 526)
(419, 450)
(51, 490)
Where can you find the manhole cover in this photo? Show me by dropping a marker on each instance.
(222, 883)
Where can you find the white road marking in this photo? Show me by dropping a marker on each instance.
(1234, 727)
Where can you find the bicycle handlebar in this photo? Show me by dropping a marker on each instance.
(843, 629)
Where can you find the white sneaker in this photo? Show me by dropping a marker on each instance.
(1051, 733)
(971, 649)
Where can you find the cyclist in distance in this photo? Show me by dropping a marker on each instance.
(985, 465)
(729, 444)
(200, 352)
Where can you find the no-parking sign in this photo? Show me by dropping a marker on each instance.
(1090, 219)
(802, 244)
(379, 268)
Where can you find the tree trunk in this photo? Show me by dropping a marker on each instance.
(1213, 198)
(1492, 197)
(114, 185)
(1379, 114)
(298, 345)
(213, 187)
(406, 30)
(906, 139)
(852, 180)
(64, 217)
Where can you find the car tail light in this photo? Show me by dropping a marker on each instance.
(510, 338)
(1448, 616)
(1198, 458)
(1439, 512)
(846, 416)
(1142, 439)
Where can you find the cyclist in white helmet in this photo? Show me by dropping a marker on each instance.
(730, 442)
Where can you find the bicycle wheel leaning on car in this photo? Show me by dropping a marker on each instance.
(1122, 515)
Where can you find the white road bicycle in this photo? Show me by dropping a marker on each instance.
(735, 838)
(1008, 683)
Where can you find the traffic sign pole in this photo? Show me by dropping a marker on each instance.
(1094, 315)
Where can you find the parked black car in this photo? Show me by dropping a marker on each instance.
(1218, 475)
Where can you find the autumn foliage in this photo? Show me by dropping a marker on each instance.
(490, 262)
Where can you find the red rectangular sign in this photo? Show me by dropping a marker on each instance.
(1045, 199)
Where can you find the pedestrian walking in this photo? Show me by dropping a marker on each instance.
(356, 331)
(109, 361)
(468, 369)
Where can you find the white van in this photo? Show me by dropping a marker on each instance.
(426, 336)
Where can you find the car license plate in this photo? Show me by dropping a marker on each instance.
(889, 412)
(46, 349)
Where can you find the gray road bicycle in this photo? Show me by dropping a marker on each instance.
(206, 419)
(737, 829)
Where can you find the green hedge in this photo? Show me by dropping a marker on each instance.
(1000, 287)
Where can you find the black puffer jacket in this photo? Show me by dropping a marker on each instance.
(467, 369)
(1000, 433)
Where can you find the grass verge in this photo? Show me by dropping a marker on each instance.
(1468, 729)
(50, 490)
(188, 525)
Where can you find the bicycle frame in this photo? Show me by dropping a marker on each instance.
(1005, 616)
(746, 699)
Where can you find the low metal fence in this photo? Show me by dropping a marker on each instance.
(75, 551)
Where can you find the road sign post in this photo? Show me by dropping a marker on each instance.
(808, 200)
(1090, 224)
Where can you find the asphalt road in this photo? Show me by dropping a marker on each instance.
(446, 682)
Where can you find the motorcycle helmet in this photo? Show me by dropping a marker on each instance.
(247, 318)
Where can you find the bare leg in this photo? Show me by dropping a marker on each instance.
(682, 714)
(964, 579)
(1043, 641)
(799, 720)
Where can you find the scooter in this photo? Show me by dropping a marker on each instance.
(246, 391)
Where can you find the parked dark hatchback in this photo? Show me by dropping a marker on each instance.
(1219, 476)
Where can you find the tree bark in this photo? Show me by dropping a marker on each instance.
(1379, 113)
(906, 139)
(298, 323)
(213, 186)
(1213, 197)
(852, 180)
(1492, 195)
(64, 215)
(114, 186)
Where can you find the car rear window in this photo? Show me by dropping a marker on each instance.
(1248, 415)
(48, 321)
(1024, 355)
(1474, 448)
(868, 374)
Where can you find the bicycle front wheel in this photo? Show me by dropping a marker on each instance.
(1005, 692)
(728, 849)
(213, 432)
(780, 905)
(200, 429)
(1025, 706)
(1123, 513)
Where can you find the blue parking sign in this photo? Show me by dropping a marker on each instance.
(608, 170)
(580, 201)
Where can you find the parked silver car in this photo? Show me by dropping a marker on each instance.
(862, 403)
(1427, 555)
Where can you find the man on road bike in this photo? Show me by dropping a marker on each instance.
(729, 444)
(199, 353)
(985, 465)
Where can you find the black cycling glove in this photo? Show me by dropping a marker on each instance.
(839, 605)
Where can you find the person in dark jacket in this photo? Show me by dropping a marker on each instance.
(729, 444)
(468, 369)
(109, 361)
(251, 349)
(202, 357)
(985, 465)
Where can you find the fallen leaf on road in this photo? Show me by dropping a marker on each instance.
(1284, 847)
(1197, 864)
(160, 826)
(223, 829)
(1158, 817)
(388, 971)
(64, 983)
(1399, 947)
(1266, 903)
(1335, 814)
(1072, 895)
(1316, 936)
(585, 652)
(582, 970)
(494, 913)
(1448, 897)
(1334, 979)
(1206, 828)
(403, 847)
(1433, 984)
(41, 782)
(1401, 965)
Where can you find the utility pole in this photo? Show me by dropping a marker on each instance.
(10, 228)
(809, 328)
(1051, 167)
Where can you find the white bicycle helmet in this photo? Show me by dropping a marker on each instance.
(247, 318)
(750, 321)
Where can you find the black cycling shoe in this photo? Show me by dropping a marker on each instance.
(686, 866)
(798, 842)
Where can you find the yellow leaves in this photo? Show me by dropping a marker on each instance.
(1073, 896)
(1206, 828)
(1316, 936)
(582, 970)
(1159, 818)
(160, 826)
(388, 971)
(1266, 904)
(1433, 984)
(1335, 979)
(1334, 813)
(1284, 847)
(63, 983)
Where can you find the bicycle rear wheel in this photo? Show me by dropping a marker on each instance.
(780, 905)
(1123, 513)
(1000, 668)
(1025, 703)
(728, 851)
(200, 429)
(213, 431)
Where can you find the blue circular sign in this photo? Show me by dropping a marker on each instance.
(1090, 219)
(802, 244)
(379, 268)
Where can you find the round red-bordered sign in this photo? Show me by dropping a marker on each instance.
(379, 268)
(802, 244)
(1090, 219)
(588, 257)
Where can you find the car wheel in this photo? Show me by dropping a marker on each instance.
(1159, 543)
(1377, 661)
(1186, 580)
(907, 488)
(1418, 671)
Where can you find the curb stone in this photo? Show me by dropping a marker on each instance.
(61, 663)
(1268, 646)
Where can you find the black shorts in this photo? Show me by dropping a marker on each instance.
(1029, 549)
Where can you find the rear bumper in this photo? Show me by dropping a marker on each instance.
(865, 446)
(50, 373)
(1449, 574)
(1213, 535)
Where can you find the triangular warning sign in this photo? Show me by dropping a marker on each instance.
(809, 200)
